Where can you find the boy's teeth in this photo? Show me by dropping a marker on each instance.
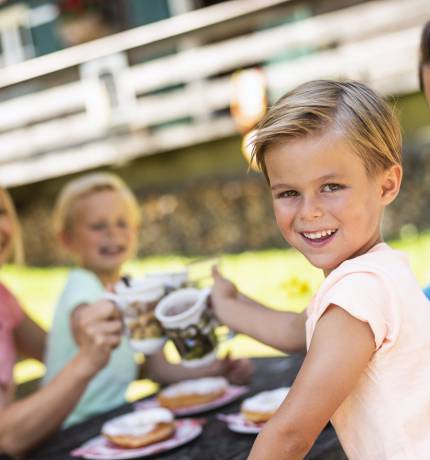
(317, 235)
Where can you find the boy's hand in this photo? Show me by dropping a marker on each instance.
(223, 290)
(97, 330)
(223, 287)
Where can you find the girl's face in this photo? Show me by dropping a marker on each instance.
(326, 205)
(102, 234)
(6, 231)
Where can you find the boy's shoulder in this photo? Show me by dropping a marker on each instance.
(380, 258)
(82, 286)
(80, 275)
(380, 267)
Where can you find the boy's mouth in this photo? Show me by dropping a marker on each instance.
(112, 250)
(319, 236)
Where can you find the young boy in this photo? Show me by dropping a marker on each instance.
(331, 153)
(97, 219)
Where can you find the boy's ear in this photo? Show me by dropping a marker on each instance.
(390, 184)
(65, 239)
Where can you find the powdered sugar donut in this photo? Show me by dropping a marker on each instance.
(140, 428)
(262, 406)
(192, 392)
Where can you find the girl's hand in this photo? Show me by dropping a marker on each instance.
(97, 330)
(236, 371)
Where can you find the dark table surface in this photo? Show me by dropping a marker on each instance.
(216, 442)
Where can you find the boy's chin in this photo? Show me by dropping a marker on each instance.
(109, 264)
(323, 263)
(112, 259)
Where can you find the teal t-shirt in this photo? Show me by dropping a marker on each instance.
(107, 389)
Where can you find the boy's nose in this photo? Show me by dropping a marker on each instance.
(310, 209)
(112, 229)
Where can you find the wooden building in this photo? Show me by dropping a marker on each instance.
(148, 86)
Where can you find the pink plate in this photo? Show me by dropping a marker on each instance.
(233, 392)
(100, 448)
(238, 423)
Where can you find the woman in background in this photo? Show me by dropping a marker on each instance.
(25, 423)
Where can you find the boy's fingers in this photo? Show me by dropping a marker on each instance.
(108, 327)
(104, 309)
(215, 271)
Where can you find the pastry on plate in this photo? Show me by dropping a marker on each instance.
(140, 428)
(190, 393)
(260, 407)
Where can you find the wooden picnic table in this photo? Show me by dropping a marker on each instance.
(216, 442)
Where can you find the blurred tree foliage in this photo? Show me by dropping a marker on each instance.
(223, 215)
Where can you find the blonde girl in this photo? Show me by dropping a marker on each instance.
(331, 153)
(97, 220)
(25, 423)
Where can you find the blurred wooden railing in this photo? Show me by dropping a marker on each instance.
(183, 98)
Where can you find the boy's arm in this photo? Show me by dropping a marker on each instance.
(279, 329)
(340, 350)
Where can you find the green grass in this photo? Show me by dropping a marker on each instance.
(282, 279)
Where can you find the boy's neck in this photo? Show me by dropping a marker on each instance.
(365, 249)
(107, 278)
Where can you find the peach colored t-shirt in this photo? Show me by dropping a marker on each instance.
(387, 415)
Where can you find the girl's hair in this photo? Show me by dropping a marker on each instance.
(424, 53)
(84, 186)
(18, 248)
(350, 108)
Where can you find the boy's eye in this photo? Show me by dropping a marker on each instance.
(122, 223)
(287, 194)
(98, 226)
(3, 211)
(331, 187)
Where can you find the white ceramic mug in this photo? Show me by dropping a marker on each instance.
(187, 321)
(137, 300)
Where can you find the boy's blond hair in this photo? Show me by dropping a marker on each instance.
(84, 186)
(349, 107)
(18, 248)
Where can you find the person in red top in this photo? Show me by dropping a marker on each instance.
(11, 316)
(97, 330)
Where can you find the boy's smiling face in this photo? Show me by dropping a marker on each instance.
(102, 235)
(326, 205)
